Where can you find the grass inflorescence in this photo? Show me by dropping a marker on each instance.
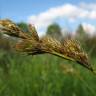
(31, 44)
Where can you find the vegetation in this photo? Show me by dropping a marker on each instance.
(54, 31)
(42, 75)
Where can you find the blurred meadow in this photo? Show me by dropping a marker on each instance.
(47, 75)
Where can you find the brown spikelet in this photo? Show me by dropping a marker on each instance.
(9, 28)
(33, 32)
(73, 50)
(51, 44)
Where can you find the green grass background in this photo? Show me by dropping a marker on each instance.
(42, 75)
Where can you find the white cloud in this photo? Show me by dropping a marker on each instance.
(89, 28)
(90, 6)
(45, 18)
(72, 12)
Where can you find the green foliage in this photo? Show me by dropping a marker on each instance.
(42, 76)
(81, 34)
(88, 42)
(23, 26)
(55, 31)
(90, 45)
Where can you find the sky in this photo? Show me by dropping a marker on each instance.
(41, 13)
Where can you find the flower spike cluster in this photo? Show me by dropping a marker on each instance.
(31, 44)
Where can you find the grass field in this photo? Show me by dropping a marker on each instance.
(43, 75)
